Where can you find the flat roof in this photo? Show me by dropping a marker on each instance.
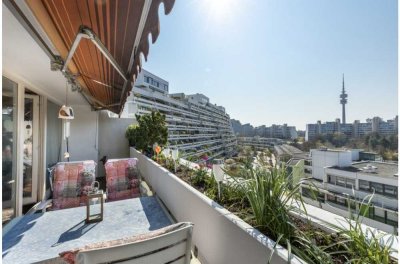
(332, 150)
(383, 169)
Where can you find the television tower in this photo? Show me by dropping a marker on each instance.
(343, 101)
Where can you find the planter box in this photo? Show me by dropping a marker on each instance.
(219, 236)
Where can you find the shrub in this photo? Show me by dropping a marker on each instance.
(151, 129)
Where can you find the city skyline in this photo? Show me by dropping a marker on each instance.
(284, 65)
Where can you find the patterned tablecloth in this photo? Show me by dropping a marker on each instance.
(43, 236)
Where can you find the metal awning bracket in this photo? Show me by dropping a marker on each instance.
(85, 32)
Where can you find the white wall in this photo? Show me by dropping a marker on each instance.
(83, 140)
(321, 159)
(112, 141)
(220, 236)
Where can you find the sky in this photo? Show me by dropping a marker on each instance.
(282, 61)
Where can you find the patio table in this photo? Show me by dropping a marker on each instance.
(41, 237)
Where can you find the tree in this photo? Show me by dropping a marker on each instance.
(151, 129)
(384, 143)
(393, 139)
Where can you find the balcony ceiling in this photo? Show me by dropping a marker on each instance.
(24, 61)
(122, 27)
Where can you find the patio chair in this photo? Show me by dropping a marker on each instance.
(122, 176)
(171, 244)
(70, 182)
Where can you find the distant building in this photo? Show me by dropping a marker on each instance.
(354, 130)
(196, 127)
(275, 131)
(340, 176)
(258, 143)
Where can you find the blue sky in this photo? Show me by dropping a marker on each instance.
(282, 61)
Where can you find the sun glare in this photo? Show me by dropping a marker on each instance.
(220, 11)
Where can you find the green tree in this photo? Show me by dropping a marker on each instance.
(385, 143)
(151, 129)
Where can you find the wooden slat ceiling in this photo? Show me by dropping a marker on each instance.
(116, 24)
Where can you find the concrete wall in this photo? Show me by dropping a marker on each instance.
(83, 140)
(219, 236)
(112, 141)
(321, 159)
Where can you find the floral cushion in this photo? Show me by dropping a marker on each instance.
(122, 179)
(71, 182)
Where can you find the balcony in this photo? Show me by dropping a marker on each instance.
(34, 137)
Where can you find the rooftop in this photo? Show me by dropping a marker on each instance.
(383, 169)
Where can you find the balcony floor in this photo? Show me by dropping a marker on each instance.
(43, 236)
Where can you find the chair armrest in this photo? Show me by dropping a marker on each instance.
(145, 189)
(40, 206)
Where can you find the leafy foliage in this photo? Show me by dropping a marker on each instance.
(151, 129)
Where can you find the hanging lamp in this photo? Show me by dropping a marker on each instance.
(66, 112)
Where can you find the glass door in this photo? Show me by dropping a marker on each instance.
(9, 141)
(31, 138)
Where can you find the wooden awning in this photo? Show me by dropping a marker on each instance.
(105, 61)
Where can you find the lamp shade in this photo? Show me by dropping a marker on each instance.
(166, 152)
(66, 112)
(175, 154)
(218, 172)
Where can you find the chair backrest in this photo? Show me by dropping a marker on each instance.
(171, 247)
(122, 178)
(71, 181)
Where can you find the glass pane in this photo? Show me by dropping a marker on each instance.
(9, 115)
(364, 185)
(332, 179)
(341, 181)
(28, 147)
(390, 190)
(377, 187)
(392, 216)
(350, 183)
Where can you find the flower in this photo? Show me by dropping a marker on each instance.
(157, 149)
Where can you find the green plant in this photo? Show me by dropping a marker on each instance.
(271, 198)
(151, 129)
(364, 245)
(199, 177)
(132, 134)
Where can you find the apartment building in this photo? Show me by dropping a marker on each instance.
(274, 131)
(345, 175)
(259, 143)
(198, 128)
(355, 129)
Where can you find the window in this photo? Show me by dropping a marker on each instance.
(332, 179)
(392, 218)
(340, 181)
(147, 79)
(377, 187)
(350, 183)
(390, 190)
(379, 214)
(364, 185)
